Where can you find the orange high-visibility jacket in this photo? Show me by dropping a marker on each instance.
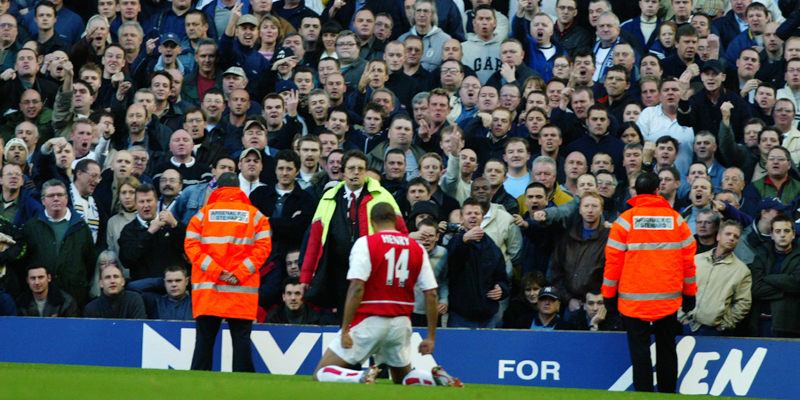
(229, 235)
(650, 260)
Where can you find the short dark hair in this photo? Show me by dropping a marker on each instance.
(471, 202)
(784, 150)
(292, 280)
(583, 52)
(781, 218)
(192, 110)
(163, 73)
(419, 181)
(536, 185)
(685, 30)
(176, 268)
(216, 162)
(146, 188)
(672, 170)
(228, 179)
(200, 13)
(396, 151)
(45, 4)
(647, 183)
(210, 92)
(383, 213)
(354, 154)
(83, 165)
(670, 139)
(37, 266)
(597, 107)
(622, 69)
(288, 156)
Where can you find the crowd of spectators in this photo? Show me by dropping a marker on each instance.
(506, 135)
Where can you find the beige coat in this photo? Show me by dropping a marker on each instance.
(723, 291)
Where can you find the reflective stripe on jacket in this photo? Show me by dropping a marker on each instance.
(229, 235)
(649, 260)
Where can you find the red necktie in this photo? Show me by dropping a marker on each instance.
(352, 207)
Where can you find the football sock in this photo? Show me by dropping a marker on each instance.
(333, 373)
(419, 378)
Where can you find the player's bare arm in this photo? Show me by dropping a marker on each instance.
(432, 314)
(354, 295)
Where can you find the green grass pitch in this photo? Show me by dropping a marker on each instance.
(44, 381)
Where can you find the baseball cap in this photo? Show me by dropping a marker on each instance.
(248, 151)
(771, 203)
(282, 53)
(255, 120)
(247, 19)
(170, 37)
(235, 71)
(716, 65)
(283, 86)
(549, 291)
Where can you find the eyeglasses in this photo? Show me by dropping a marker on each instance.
(355, 169)
(54, 195)
(610, 183)
(17, 174)
(475, 86)
(140, 159)
(450, 70)
(779, 159)
(194, 120)
(345, 45)
(731, 179)
(566, 8)
(7, 25)
(793, 71)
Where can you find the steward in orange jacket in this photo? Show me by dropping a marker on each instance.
(229, 235)
(227, 241)
(649, 259)
(650, 264)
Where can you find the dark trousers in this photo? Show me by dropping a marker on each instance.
(207, 329)
(639, 332)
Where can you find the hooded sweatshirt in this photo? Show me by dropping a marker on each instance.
(432, 45)
(483, 57)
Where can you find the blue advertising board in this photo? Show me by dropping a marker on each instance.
(590, 360)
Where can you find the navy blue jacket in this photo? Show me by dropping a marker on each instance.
(28, 207)
(608, 144)
(702, 115)
(728, 28)
(69, 25)
(473, 270)
(287, 229)
(635, 28)
(742, 41)
(157, 304)
(211, 9)
(232, 53)
(294, 16)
